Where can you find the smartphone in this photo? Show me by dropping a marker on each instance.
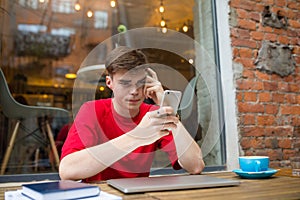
(171, 98)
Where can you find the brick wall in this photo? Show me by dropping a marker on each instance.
(268, 105)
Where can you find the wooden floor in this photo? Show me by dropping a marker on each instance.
(280, 186)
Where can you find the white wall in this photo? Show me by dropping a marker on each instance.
(229, 90)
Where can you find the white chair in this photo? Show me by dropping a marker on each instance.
(19, 112)
(188, 96)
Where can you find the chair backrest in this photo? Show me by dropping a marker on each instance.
(14, 110)
(186, 104)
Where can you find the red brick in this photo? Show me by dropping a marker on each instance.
(271, 109)
(252, 131)
(257, 35)
(265, 29)
(276, 77)
(279, 31)
(248, 74)
(265, 120)
(245, 143)
(241, 13)
(264, 97)
(290, 98)
(234, 33)
(271, 37)
(274, 154)
(247, 62)
(279, 98)
(245, 53)
(255, 16)
(250, 96)
(249, 119)
(249, 85)
(298, 99)
(244, 43)
(290, 110)
(287, 153)
(294, 87)
(283, 39)
(296, 50)
(294, 24)
(280, 3)
(243, 34)
(286, 131)
(256, 143)
(235, 52)
(285, 143)
(247, 24)
(262, 75)
(297, 131)
(239, 96)
(247, 5)
(271, 86)
(293, 5)
(250, 108)
(271, 142)
(282, 86)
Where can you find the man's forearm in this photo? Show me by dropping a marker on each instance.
(90, 161)
(188, 151)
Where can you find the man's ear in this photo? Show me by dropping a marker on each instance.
(108, 81)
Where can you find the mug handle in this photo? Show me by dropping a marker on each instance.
(257, 166)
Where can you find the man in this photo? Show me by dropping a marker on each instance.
(117, 137)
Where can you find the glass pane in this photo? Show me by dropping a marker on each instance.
(43, 41)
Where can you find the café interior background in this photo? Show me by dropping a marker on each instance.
(43, 41)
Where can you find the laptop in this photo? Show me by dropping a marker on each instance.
(163, 183)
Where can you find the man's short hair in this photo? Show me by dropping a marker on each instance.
(123, 57)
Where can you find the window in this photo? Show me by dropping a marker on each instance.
(63, 31)
(35, 28)
(101, 18)
(63, 6)
(33, 4)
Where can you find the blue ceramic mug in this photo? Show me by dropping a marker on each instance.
(254, 163)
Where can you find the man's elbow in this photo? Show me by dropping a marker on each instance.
(198, 168)
(65, 172)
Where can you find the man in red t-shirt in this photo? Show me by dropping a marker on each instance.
(117, 137)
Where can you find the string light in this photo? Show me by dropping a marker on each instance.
(162, 22)
(113, 3)
(161, 7)
(164, 29)
(185, 28)
(77, 6)
(89, 13)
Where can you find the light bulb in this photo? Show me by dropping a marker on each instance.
(162, 22)
(185, 28)
(164, 29)
(161, 8)
(77, 6)
(89, 13)
(113, 3)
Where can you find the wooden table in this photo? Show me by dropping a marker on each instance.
(281, 186)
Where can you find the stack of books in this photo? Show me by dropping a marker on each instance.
(59, 190)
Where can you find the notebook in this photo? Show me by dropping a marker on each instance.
(64, 189)
(163, 183)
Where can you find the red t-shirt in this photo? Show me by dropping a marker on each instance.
(97, 122)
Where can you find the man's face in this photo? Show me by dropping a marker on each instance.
(127, 87)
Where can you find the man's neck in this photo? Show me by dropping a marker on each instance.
(124, 112)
